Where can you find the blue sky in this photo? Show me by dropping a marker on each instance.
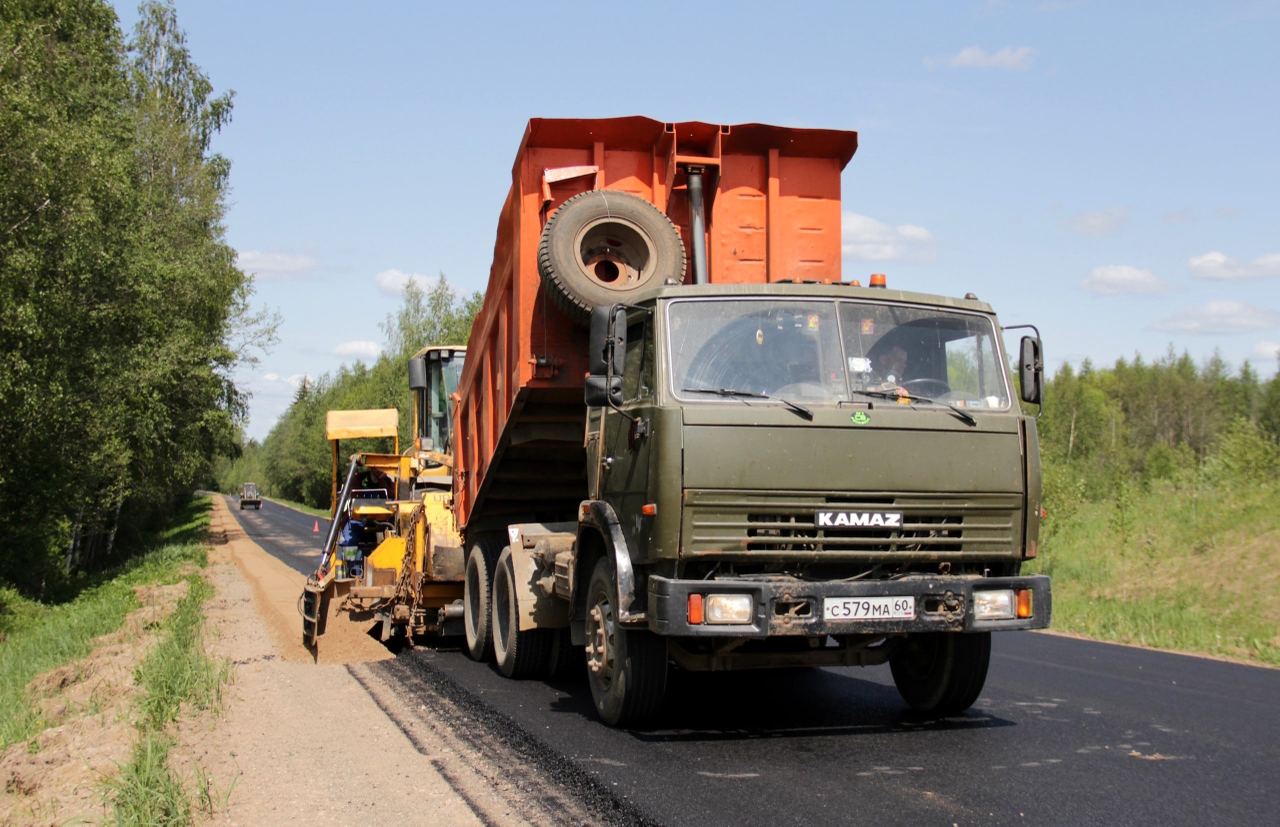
(1108, 171)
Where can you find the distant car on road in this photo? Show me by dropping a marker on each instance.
(249, 496)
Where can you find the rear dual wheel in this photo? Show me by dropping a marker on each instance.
(519, 653)
(477, 599)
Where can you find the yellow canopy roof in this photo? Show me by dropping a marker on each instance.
(361, 424)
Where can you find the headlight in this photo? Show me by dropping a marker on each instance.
(993, 605)
(728, 609)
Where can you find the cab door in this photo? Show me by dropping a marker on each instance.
(625, 472)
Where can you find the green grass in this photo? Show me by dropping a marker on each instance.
(146, 791)
(38, 637)
(1194, 568)
(176, 673)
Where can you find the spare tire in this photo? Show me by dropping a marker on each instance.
(604, 246)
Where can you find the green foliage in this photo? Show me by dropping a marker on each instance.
(146, 792)
(122, 313)
(178, 671)
(294, 463)
(1162, 486)
(1192, 568)
(36, 637)
(1140, 423)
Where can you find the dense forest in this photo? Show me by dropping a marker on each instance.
(122, 311)
(293, 462)
(1108, 433)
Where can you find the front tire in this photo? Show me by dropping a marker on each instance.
(626, 669)
(942, 673)
(477, 598)
(519, 653)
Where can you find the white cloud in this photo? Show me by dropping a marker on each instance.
(1219, 317)
(273, 265)
(274, 382)
(1222, 267)
(1122, 279)
(976, 57)
(1267, 350)
(361, 348)
(1099, 223)
(393, 281)
(866, 239)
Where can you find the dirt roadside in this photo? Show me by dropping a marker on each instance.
(296, 738)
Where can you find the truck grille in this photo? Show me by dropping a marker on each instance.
(782, 526)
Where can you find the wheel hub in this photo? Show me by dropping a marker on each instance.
(600, 641)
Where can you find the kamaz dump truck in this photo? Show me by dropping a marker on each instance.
(683, 440)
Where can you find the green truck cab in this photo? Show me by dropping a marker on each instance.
(808, 474)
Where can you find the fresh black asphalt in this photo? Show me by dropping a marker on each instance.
(1066, 732)
(285, 533)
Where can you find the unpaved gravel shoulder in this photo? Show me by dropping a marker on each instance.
(296, 738)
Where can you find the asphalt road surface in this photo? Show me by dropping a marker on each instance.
(1066, 732)
(286, 533)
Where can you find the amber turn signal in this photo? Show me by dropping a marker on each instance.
(695, 610)
(1024, 603)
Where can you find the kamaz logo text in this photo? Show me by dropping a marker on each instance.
(859, 519)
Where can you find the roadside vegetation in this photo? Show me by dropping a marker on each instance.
(293, 463)
(38, 637)
(122, 310)
(1162, 487)
(175, 674)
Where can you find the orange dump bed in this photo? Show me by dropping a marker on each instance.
(772, 198)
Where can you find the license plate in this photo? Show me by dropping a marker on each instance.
(869, 608)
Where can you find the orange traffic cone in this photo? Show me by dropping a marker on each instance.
(315, 529)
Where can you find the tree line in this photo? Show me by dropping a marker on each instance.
(293, 462)
(122, 311)
(1106, 431)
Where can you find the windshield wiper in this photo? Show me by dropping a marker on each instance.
(963, 415)
(734, 392)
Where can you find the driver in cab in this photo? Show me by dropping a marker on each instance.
(890, 365)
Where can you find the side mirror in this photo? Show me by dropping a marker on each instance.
(607, 340)
(417, 374)
(599, 391)
(608, 336)
(1031, 370)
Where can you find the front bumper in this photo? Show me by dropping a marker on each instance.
(794, 607)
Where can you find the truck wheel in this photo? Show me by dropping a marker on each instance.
(520, 654)
(602, 246)
(626, 669)
(943, 673)
(477, 597)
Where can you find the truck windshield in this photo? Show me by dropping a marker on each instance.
(828, 351)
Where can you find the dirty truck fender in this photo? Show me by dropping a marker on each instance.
(598, 516)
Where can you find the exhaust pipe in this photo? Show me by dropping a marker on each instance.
(697, 225)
